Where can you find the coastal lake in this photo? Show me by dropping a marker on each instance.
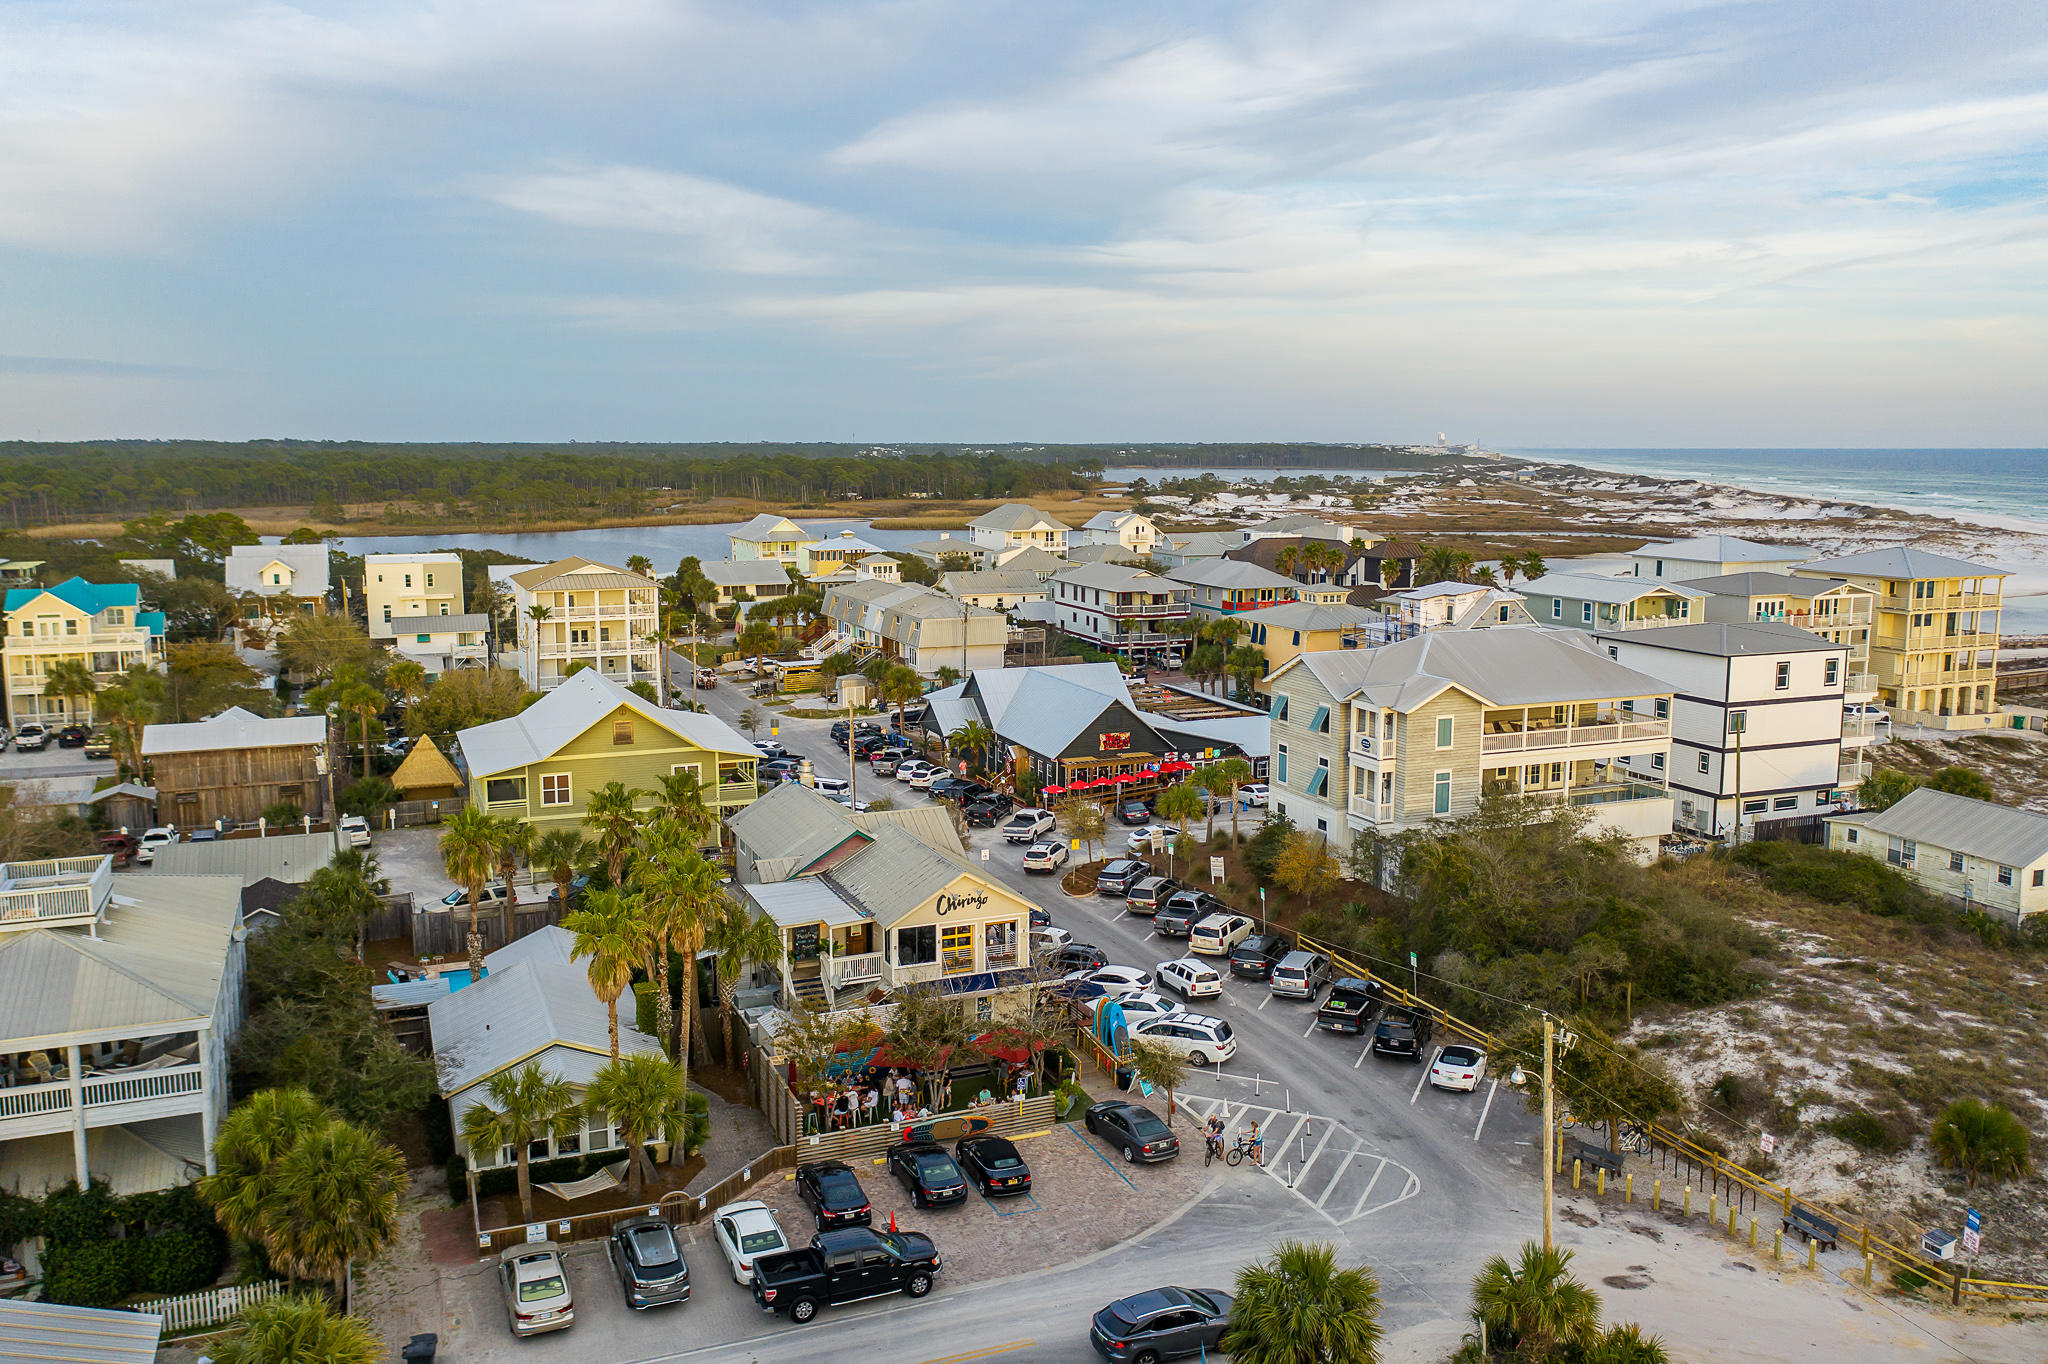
(666, 546)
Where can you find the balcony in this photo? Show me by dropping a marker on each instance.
(737, 792)
(1862, 685)
(1545, 738)
(55, 893)
(1150, 609)
(1852, 771)
(843, 973)
(1851, 615)
(1372, 747)
(130, 1095)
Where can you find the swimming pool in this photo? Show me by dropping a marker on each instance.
(459, 977)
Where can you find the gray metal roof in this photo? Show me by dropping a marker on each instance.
(475, 622)
(1118, 578)
(528, 1008)
(1251, 733)
(1977, 828)
(793, 821)
(555, 720)
(1722, 549)
(748, 573)
(1510, 665)
(1609, 591)
(1016, 516)
(1308, 615)
(409, 994)
(1728, 641)
(895, 875)
(234, 728)
(1229, 573)
(804, 900)
(1198, 544)
(1044, 708)
(550, 942)
(163, 945)
(1900, 563)
(1763, 585)
(308, 563)
(1008, 582)
(769, 526)
(45, 1331)
(279, 857)
(1031, 558)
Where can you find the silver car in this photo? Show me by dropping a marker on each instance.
(536, 1288)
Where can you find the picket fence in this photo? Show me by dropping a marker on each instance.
(210, 1306)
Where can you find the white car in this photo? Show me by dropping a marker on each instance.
(536, 1288)
(1047, 941)
(1203, 1040)
(747, 1231)
(356, 829)
(908, 771)
(859, 807)
(1142, 837)
(1253, 794)
(151, 840)
(1143, 1005)
(1046, 855)
(1215, 934)
(1190, 979)
(1116, 981)
(1458, 1066)
(1029, 824)
(831, 786)
(768, 748)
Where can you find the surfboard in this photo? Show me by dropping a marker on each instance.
(946, 1129)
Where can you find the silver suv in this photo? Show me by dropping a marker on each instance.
(1301, 975)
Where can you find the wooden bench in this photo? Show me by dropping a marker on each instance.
(1811, 1226)
(1591, 1156)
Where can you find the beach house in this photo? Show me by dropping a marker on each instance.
(920, 626)
(1587, 601)
(100, 626)
(280, 581)
(576, 610)
(1015, 525)
(1119, 609)
(1708, 556)
(1129, 531)
(1976, 852)
(769, 536)
(233, 767)
(1229, 587)
(398, 589)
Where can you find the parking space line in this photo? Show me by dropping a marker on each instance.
(1011, 1348)
(1369, 1186)
(1263, 1003)
(1420, 1081)
(1275, 1148)
(1329, 1130)
(1104, 1159)
(1338, 1178)
(1492, 1089)
(1363, 1052)
(1311, 1026)
(1028, 1203)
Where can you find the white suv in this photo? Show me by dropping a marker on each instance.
(356, 829)
(1216, 934)
(1190, 979)
(1203, 1040)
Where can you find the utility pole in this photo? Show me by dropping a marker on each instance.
(1549, 1138)
(852, 764)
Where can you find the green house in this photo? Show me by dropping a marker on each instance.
(541, 765)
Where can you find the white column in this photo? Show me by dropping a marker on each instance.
(209, 1117)
(77, 1084)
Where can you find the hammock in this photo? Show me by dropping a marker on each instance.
(606, 1179)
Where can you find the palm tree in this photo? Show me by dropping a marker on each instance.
(1533, 565)
(336, 1201)
(519, 1107)
(1390, 573)
(976, 738)
(1232, 773)
(1179, 802)
(297, 1328)
(1286, 559)
(1485, 576)
(515, 840)
(1510, 566)
(407, 679)
(643, 1094)
(681, 798)
(679, 890)
(349, 693)
(252, 1139)
(1536, 1303)
(900, 686)
(946, 674)
(742, 942)
(756, 640)
(560, 853)
(1626, 1343)
(1436, 564)
(1299, 1308)
(1161, 1067)
(1206, 663)
(609, 933)
(1982, 1140)
(1246, 664)
(469, 850)
(69, 679)
(613, 821)
(641, 564)
(658, 641)
(538, 613)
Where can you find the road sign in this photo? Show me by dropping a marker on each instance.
(984, 854)
(1215, 869)
(1972, 1231)
(1768, 1143)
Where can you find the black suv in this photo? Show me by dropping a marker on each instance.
(1077, 956)
(924, 1168)
(1403, 1033)
(73, 736)
(1120, 875)
(840, 731)
(1183, 910)
(1256, 956)
(834, 1195)
(1350, 1005)
(1148, 893)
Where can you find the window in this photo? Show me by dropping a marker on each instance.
(1503, 612)
(1586, 612)
(1280, 706)
(1704, 762)
(444, 608)
(1614, 653)
(408, 580)
(554, 788)
(1785, 803)
(2005, 876)
(1663, 708)
(1442, 804)
(1738, 722)
(1319, 782)
(387, 615)
(1834, 671)
(2040, 876)
(917, 946)
(499, 790)
(1280, 764)
(1660, 568)
(1754, 807)
(424, 639)
(1657, 761)
(1445, 726)
(1853, 838)
(430, 580)
(1900, 852)
(1321, 723)
(622, 731)
(1557, 608)
(70, 627)
(956, 947)
(1955, 861)
(1784, 682)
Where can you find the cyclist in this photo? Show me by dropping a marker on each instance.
(1254, 1144)
(1212, 1136)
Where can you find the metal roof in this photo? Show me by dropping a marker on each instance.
(1722, 549)
(1112, 520)
(1203, 543)
(1118, 578)
(1608, 591)
(1764, 585)
(411, 993)
(1510, 665)
(748, 573)
(528, 1008)
(162, 948)
(552, 722)
(245, 564)
(1016, 516)
(1977, 828)
(1306, 615)
(234, 728)
(291, 858)
(1007, 582)
(1229, 573)
(1252, 734)
(549, 943)
(769, 526)
(576, 573)
(932, 824)
(474, 621)
(1727, 641)
(1031, 558)
(91, 598)
(1899, 563)
(45, 1331)
(804, 900)
(895, 875)
(793, 821)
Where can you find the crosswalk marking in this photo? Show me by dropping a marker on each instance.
(1355, 1162)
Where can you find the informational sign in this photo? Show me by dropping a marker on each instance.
(984, 854)
(1973, 1229)
(803, 942)
(1215, 869)
(1144, 1086)
(536, 1231)
(1114, 743)
(774, 731)
(1767, 1143)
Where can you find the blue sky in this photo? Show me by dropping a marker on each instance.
(1542, 223)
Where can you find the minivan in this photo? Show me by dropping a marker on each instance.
(1301, 975)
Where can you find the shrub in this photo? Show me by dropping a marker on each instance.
(643, 1006)
(696, 1122)
(367, 796)
(1984, 1141)
(86, 1274)
(20, 1219)
(281, 812)
(1840, 878)
(175, 1262)
(72, 1215)
(1866, 1132)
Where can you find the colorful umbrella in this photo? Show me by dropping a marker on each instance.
(1124, 778)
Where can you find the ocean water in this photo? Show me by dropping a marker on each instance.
(1989, 487)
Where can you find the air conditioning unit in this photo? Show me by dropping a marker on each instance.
(1937, 1245)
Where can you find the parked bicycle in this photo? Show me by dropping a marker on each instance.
(1248, 1143)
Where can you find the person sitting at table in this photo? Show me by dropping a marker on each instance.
(984, 1098)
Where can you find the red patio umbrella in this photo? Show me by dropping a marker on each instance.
(1124, 778)
(1051, 790)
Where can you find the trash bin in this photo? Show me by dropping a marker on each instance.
(420, 1349)
(1124, 1076)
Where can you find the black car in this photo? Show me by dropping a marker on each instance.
(781, 769)
(649, 1263)
(993, 1163)
(988, 810)
(864, 730)
(962, 790)
(1077, 956)
(1134, 1129)
(1183, 910)
(1117, 877)
(1040, 918)
(924, 1168)
(1134, 812)
(1147, 893)
(1350, 1005)
(834, 1194)
(845, 1266)
(1164, 1323)
(73, 736)
(1403, 1033)
(1256, 956)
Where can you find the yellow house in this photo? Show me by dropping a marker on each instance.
(99, 625)
(1285, 632)
(541, 765)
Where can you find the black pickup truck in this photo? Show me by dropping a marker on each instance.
(845, 1266)
(1350, 1005)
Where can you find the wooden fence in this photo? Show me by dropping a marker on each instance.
(393, 918)
(210, 1306)
(438, 931)
(1727, 1183)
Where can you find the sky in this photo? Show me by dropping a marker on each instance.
(1639, 223)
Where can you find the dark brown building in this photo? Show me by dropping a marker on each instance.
(235, 766)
